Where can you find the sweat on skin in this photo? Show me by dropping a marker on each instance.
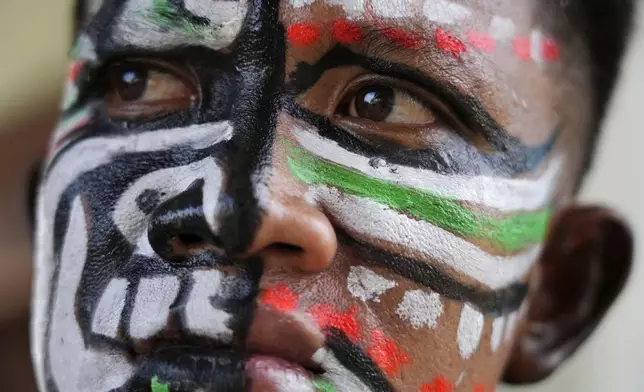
(192, 134)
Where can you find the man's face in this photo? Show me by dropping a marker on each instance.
(339, 195)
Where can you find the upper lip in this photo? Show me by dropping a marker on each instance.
(288, 336)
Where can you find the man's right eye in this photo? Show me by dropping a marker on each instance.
(140, 90)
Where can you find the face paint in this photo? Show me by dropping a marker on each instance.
(275, 232)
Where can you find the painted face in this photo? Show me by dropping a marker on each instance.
(338, 195)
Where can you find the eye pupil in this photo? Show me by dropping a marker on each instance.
(375, 103)
(131, 83)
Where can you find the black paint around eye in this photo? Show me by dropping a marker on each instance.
(130, 81)
(375, 103)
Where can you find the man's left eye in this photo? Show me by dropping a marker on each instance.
(139, 90)
(385, 104)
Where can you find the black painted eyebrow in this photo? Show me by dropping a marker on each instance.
(467, 108)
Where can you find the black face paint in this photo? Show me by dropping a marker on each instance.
(512, 157)
(496, 303)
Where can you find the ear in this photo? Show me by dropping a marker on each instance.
(584, 266)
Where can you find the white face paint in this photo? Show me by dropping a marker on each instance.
(445, 12)
(367, 285)
(152, 305)
(470, 329)
(201, 317)
(420, 308)
(107, 317)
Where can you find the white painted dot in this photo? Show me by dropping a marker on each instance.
(420, 308)
(470, 329)
(365, 284)
(445, 12)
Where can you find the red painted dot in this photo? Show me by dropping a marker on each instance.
(280, 297)
(345, 32)
(303, 34)
(449, 44)
(74, 69)
(522, 48)
(439, 384)
(346, 322)
(402, 38)
(481, 388)
(482, 41)
(550, 50)
(386, 353)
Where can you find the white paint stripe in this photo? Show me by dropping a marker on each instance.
(420, 308)
(500, 193)
(201, 318)
(336, 373)
(136, 26)
(510, 326)
(152, 305)
(536, 46)
(132, 222)
(392, 8)
(445, 12)
(470, 329)
(73, 368)
(365, 284)
(497, 333)
(502, 28)
(381, 223)
(109, 309)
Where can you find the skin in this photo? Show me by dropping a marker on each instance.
(287, 196)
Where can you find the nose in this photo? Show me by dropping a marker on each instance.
(295, 235)
(291, 233)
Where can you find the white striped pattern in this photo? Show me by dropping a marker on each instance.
(152, 305)
(504, 194)
(377, 222)
(108, 311)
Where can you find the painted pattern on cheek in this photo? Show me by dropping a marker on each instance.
(439, 384)
(386, 353)
(326, 316)
(280, 297)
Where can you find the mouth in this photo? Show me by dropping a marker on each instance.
(189, 369)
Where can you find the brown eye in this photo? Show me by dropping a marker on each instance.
(140, 90)
(381, 103)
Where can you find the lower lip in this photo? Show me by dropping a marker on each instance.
(188, 370)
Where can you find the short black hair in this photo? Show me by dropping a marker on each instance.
(604, 27)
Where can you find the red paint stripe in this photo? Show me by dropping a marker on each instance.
(402, 38)
(280, 297)
(304, 34)
(74, 70)
(345, 32)
(326, 316)
(521, 47)
(439, 384)
(386, 353)
(482, 41)
(449, 44)
(550, 50)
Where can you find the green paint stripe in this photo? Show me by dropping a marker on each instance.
(156, 386)
(510, 234)
(166, 16)
(324, 386)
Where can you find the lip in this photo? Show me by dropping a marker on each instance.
(190, 369)
(276, 355)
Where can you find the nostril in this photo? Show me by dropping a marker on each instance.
(191, 239)
(285, 247)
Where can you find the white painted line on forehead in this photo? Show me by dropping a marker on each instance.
(365, 284)
(152, 305)
(141, 25)
(502, 28)
(110, 308)
(392, 8)
(377, 222)
(536, 46)
(353, 8)
(470, 329)
(420, 308)
(505, 194)
(445, 12)
(201, 317)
